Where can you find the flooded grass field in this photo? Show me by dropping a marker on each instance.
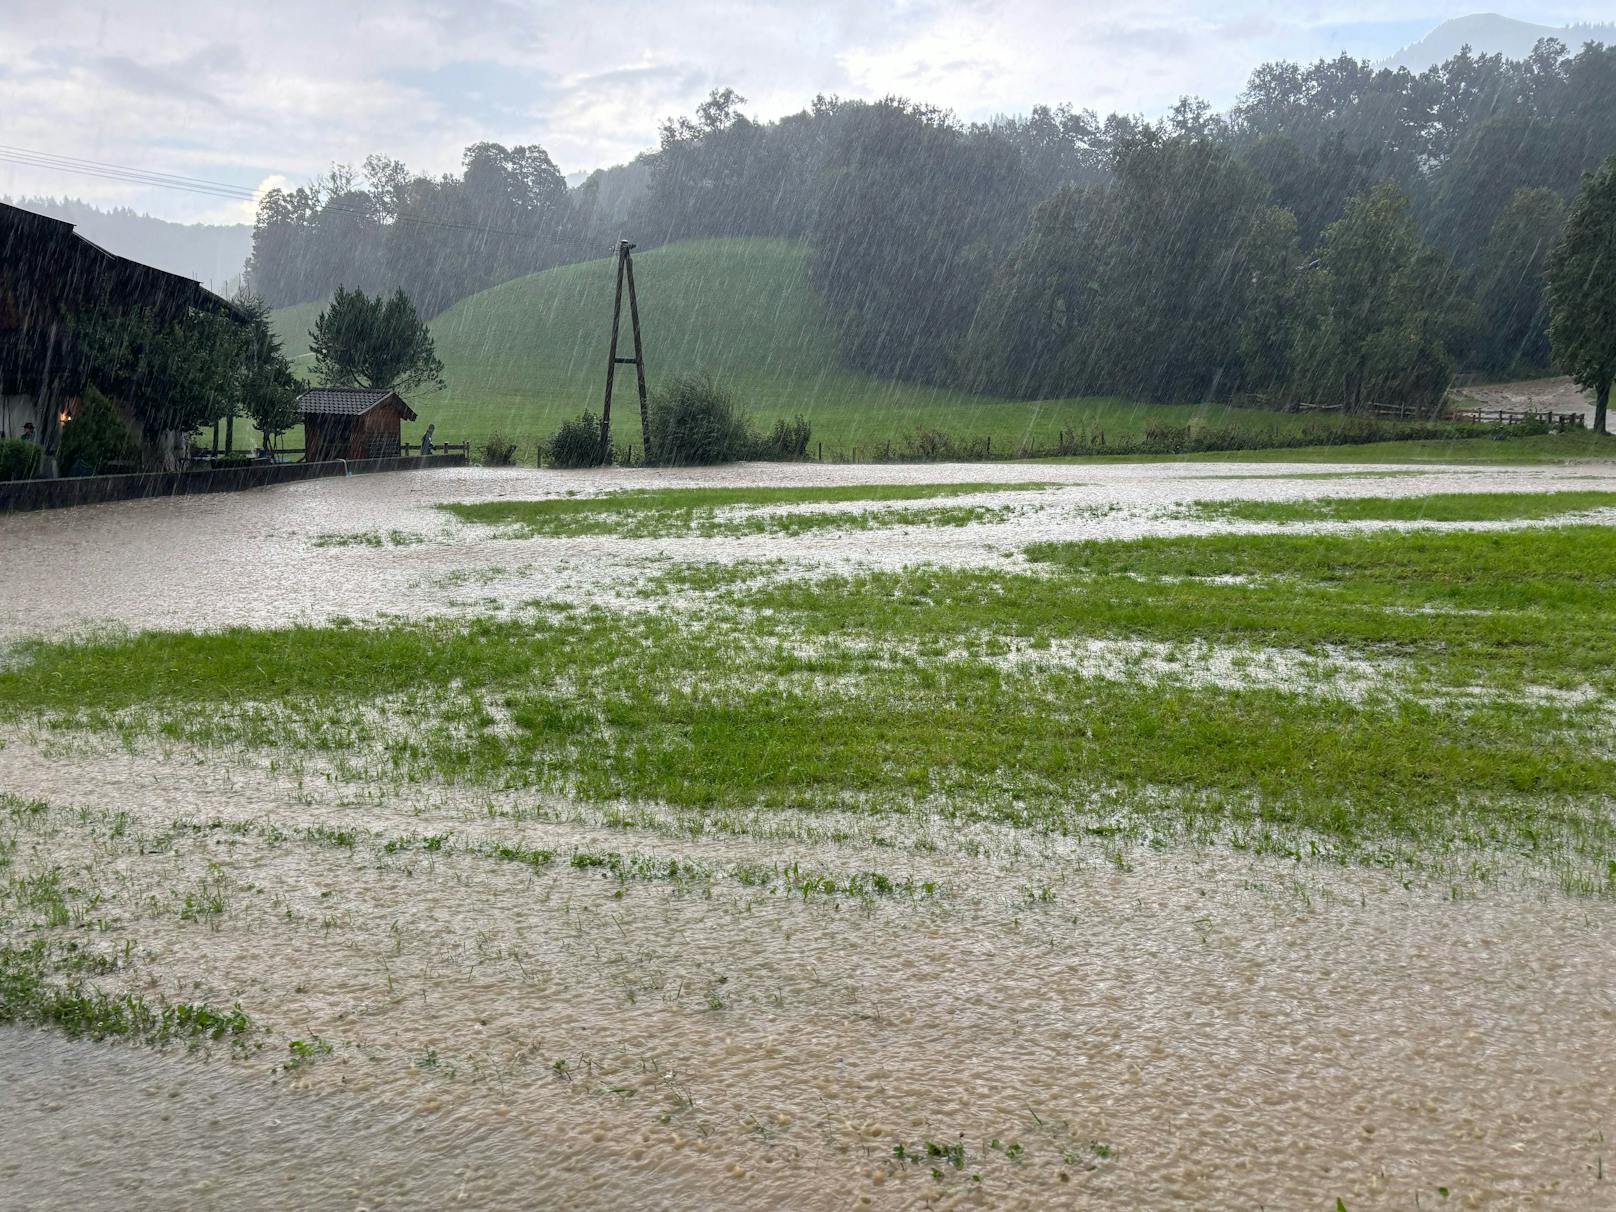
(1107, 836)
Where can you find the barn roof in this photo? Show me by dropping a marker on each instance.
(349, 401)
(54, 250)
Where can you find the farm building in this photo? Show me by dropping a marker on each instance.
(50, 276)
(352, 423)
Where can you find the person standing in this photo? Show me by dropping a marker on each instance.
(28, 434)
(426, 439)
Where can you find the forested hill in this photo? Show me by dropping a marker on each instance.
(215, 254)
(1342, 233)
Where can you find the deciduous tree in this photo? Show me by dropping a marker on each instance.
(1582, 290)
(267, 388)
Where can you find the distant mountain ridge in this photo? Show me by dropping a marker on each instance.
(1492, 34)
(215, 254)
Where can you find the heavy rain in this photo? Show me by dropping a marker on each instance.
(880, 606)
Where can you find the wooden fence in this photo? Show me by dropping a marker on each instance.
(1557, 421)
(294, 454)
(1397, 412)
(459, 448)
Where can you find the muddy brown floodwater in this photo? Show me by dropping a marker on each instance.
(1029, 1021)
(252, 559)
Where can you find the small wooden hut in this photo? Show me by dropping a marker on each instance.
(352, 423)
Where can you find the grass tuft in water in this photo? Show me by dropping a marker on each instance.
(1433, 507)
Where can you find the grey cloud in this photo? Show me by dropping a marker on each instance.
(679, 74)
(285, 86)
(152, 82)
(1146, 41)
(517, 25)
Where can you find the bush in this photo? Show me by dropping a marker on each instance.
(499, 449)
(19, 460)
(695, 422)
(787, 442)
(937, 446)
(96, 436)
(577, 443)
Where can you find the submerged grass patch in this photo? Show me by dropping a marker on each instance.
(660, 512)
(888, 691)
(1434, 507)
(31, 993)
(368, 538)
(1495, 607)
(790, 524)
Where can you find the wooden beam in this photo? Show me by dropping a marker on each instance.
(611, 360)
(639, 353)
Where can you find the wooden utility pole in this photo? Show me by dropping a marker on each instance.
(625, 269)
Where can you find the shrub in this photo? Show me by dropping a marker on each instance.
(577, 443)
(695, 422)
(927, 445)
(19, 460)
(1162, 438)
(787, 442)
(499, 449)
(937, 445)
(96, 436)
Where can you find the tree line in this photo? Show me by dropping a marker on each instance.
(1341, 234)
(382, 228)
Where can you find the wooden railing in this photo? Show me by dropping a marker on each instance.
(1557, 421)
(1399, 412)
(295, 454)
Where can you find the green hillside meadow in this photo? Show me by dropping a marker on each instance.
(523, 355)
(527, 353)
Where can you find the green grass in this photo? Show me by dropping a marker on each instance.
(1539, 448)
(1434, 507)
(292, 325)
(656, 512)
(33, 991)
(887, 690)
(527, 354)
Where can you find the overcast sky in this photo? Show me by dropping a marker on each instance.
(261, 93)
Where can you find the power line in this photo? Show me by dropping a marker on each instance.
(95, 168)
(51, 162)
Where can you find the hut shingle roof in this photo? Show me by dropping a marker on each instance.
(348, 401)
